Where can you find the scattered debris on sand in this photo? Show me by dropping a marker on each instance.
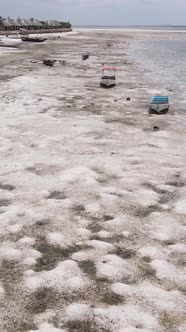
(92, 192)
(48, 62)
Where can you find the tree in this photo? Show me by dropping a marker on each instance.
(65, 25)
(1, 23)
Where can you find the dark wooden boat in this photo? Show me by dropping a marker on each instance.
(48, 62)
(33, 39)
(85, 56)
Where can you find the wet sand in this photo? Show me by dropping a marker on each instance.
(92, 199)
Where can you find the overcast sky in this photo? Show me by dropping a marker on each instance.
(99, 12)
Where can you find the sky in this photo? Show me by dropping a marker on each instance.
(99, 12)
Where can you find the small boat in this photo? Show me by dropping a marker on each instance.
(109, 43)
(33, 39)
(108, 79)
(159, 105)
(15, 36)
(85, 56)
(10, 42)
(49, 62)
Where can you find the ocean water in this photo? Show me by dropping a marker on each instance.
(162, 60)
(132, 27)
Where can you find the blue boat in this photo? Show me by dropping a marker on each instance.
(159, 105)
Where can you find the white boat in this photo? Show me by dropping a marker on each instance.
(159, 104)
(10, 42)
(108, 79)
(17, 36)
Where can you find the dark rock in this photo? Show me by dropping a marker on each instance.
(57, 195)
(156, 128)
(128, 98)
(85, 56)
(49, 62)
(6, 187)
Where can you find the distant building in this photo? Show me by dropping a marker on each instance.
(15, 24)
(9, 24)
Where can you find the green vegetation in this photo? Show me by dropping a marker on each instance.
(88, 267)
(65, 25)
(124, 252)
(62, 25)
(1, 23)
(171, 320)
(111, 298)
(52, 255)
(80, 326)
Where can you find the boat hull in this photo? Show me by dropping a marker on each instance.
(33, 40)
(107, 86)
(108, 82)
(7, 42)
(48, 62)
(159, 105)
(158, 109)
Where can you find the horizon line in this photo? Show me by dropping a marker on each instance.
(129, 25)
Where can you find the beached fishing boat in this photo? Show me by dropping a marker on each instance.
(33, 39)
(159, 105)
(49, 62)
(85, 56)
(10, 42)
(108, 79)
(15, 36)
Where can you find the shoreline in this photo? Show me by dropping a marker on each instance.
(92, 215)
(31, 32)
(131, 30)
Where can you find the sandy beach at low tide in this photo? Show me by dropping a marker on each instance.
(92, 199)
